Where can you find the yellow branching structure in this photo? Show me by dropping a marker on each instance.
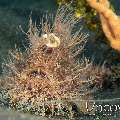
(109, 20)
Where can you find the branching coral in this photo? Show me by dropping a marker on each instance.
(50, 73)
(110, 22)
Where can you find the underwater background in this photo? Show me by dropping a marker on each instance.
(14, 13)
